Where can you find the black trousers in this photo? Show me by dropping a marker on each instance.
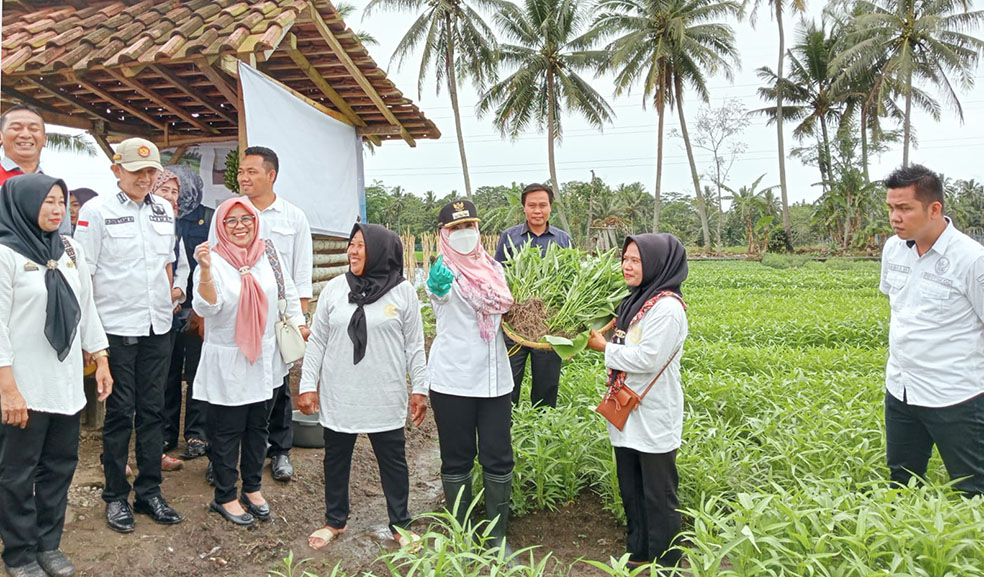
(281, 421)
(544, 374)
(460, 420)
(957, 431)
(648, 485)
(186, 352)
(391, 457)
(139, 371)
(36, 469)
(237, 435)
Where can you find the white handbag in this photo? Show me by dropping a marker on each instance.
(289, 339)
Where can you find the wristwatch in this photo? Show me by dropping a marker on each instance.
(307, 318)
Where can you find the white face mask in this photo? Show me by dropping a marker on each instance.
(463, 240)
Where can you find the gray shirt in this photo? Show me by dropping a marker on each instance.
(521, 235)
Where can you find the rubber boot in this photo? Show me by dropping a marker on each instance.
(498, 489)
(455, 485)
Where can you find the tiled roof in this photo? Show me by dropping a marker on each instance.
(153, 66)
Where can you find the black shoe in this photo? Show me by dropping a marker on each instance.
(119, 516)
(29, 570)
(159, 511)
(210, 475)
(281, 468)
(244, 520)
(55, 564)
(194, 449)
(261, 512)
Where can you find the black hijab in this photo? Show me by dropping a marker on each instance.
(382, 270)
(664, 268)
(21, 198)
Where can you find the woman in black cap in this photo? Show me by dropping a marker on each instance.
(366, 337)
(650, 328)
(47, 318)
(469, 372)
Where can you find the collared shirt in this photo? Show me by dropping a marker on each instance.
(936, 335)
(287, 227)
(520, 235)
(9, 168)
(461, 362)
(192, 229)
(657, 425)
(127, 245)
(371, 396)
(48, 386)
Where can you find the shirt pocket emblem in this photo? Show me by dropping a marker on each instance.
(635, 335)
(390, 311)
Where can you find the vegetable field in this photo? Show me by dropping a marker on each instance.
(782, 466)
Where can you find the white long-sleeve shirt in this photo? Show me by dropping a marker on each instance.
(288, 228)
(371, 396)
(46, 384)
(936, 335)
(461, 362)
(657, 426)
(225, 377)
(182, 268)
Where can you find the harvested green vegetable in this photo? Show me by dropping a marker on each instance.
(562, 294)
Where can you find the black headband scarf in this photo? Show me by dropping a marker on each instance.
(382, 270)
(21, 198)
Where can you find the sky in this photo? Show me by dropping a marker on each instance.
(623, 152)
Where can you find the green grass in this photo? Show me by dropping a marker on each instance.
(782, 468)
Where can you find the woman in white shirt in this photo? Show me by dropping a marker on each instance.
(47, 318)
(469, 372)
(236, 291)
(366, 337)
(650, 328)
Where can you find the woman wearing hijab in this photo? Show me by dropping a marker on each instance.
(79, 196)
(650, 328)
(47, 318)
(168, 187)
(367, 336)
(469, 372)
(192, 223)
(236, 289)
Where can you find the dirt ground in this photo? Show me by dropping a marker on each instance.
(206, 544)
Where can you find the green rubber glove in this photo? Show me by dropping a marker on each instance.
(440, 278)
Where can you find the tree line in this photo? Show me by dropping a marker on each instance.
(852, 83)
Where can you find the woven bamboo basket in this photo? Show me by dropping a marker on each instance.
(538, 345)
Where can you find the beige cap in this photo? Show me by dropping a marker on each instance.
(135, 154)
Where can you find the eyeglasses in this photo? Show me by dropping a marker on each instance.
(232, 221)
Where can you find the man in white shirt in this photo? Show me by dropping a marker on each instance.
(934, 278)
(287, 227)
(129, 245)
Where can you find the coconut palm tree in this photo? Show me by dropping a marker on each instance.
(549, 48)
(77, 143)
(809, 91)
(779, 7)
(914, 40)
(669, 44)
(752, 203)
(456, 41)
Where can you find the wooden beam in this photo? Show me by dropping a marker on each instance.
(217, 79)
(103, 144)
(356, 72)
(241, 107)
(178, 153)
(181, 85)
(52, 89)
(312, 73)
(191, 139)
(162, 102)
(379, 130)
(120, 104)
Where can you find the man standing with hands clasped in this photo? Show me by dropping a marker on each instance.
(933, 275)
(128, 240)
(544, 365)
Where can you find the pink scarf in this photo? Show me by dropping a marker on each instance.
(481, 281)
(251, 318)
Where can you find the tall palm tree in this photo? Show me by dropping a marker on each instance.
(778, 7)
(669, 44)
(809, 91)
(78, 143)
(456, 41)
(751, 203)
(549, 49)
(914, 40)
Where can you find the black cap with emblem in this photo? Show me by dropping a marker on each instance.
(457, 211)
